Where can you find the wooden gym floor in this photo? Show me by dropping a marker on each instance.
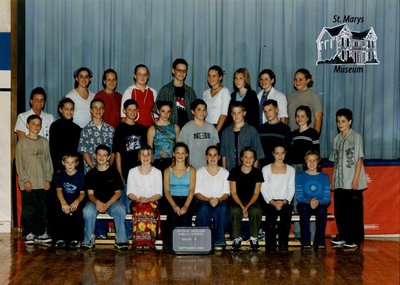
(375, 262)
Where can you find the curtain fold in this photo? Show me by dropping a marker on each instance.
(62, 35)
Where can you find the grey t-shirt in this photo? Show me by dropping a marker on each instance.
(198, 140)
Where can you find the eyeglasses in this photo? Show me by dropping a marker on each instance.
(181, 70)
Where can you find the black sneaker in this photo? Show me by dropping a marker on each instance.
(44, 238)
(320, 248)
(236, 245)
(121, 246)
(261, 235)
(254, 245)
(337, 242)
(283, 249)
(74, 244)
(30, 239)
(60, 244)
(306, 248)
(270, 249)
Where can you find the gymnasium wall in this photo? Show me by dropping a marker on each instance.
(5, 116)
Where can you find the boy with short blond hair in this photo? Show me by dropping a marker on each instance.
(35, 171)
(70, 187)
(349, 181)
(96, 132)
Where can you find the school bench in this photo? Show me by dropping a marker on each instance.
(110, 236)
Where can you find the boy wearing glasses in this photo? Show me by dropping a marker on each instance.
(180, 94)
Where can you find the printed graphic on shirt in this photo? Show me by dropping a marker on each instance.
(180, 103)
(69, 188)
(350, 157)
(202, 136)
(133, 143)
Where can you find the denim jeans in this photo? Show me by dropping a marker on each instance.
(214, 217)
(116, 210)
(320, 213)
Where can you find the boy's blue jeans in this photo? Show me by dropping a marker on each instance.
(116, 210)
(214, 217)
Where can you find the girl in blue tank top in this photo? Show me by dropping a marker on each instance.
(179, 182)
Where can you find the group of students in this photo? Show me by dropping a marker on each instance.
(135, 151)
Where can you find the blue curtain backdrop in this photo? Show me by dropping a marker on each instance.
(62, 35)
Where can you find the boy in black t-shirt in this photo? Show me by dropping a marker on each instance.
(129, 138)
(70, 186)
(104, 186)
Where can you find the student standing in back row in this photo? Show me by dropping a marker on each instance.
(267, 81)
(144, 95)
(82, 96)
(180, 94)
(217, 98)
(303, 81)
(111, 98)
(247, 96)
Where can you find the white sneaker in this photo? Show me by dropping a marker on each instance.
(350, 245)
(44, 238)
(90, 244)
(337, 242)
(30, 238)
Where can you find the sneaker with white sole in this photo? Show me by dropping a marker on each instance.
(237, 242)
(90, 244)
(60, 244)
(350, 245)
(30, 238)
(44, 238)
(261, 235)
(121, 246)
(74, 244)
(255, 247)
(337, 242)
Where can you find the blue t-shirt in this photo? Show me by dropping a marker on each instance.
(71, 185)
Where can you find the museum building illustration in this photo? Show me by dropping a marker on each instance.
(340, 45)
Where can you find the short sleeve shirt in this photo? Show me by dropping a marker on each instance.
(103, 183)
(245, 182)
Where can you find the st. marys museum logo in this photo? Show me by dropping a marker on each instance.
(339, 46)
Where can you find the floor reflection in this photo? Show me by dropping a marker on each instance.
(40, 265)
